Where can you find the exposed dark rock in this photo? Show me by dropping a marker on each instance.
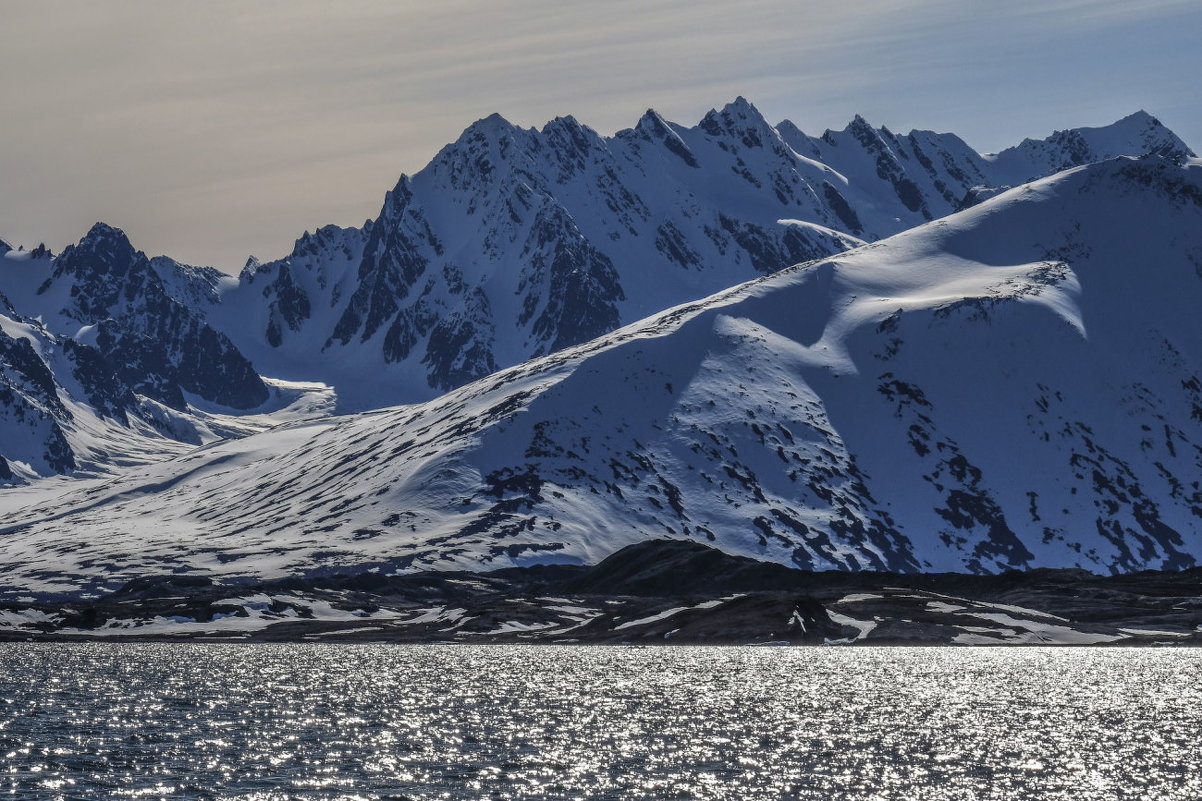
(159, 347)
(656, 592)
(581, 285)
(162, 586)
(392, 263)
(843, 210)
(459, 350)
(104, 391)
(29, 400)
(674, 567)
(289, 306)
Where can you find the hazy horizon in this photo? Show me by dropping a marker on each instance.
(214, 131)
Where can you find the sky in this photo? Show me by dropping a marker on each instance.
(215, 130)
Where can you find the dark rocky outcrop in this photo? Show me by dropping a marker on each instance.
(157, 345)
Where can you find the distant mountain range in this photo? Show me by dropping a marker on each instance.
(1014, 385)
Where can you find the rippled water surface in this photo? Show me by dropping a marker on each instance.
(425, 722)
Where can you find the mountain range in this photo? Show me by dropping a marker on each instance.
(978, 363)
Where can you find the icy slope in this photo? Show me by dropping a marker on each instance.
(1014, 386)
(513, 243)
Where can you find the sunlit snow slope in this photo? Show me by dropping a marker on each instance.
(1016, 385)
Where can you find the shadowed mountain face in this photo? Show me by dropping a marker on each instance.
(30, 409)
(1018, 385)
(98, 358)
(159, 346)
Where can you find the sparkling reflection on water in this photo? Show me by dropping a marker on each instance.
(270, 722)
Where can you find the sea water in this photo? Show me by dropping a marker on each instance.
(265, 722)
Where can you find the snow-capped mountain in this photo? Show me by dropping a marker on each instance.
(513, 243)
(30, 409)
(99, 364)
(1016, 385)
(109, 293)
(65, 407)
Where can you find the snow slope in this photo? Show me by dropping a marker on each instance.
(1016, 385)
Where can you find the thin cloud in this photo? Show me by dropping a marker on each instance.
(213, 130)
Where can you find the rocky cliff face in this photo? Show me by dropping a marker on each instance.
(101, 352)
(60, 399)
(159, 346)
(30, 410)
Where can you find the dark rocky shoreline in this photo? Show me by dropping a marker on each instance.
(655, 593)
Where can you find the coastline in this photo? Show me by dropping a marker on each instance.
(661, 592)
